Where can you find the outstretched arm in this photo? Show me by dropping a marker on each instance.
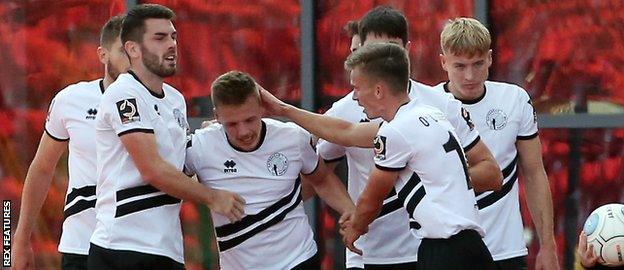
(159, 173)
(326, 127)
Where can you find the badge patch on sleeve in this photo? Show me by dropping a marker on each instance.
(128, 111)
(380, 147)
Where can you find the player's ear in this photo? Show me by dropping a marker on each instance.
(102, 55)
(133, 49)
(443, 61)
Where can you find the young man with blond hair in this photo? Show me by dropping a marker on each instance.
(505, 117)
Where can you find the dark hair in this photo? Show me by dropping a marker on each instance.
(233, 88)
(134, 24)
(352, 28)
(382, 61)
(110, 31)
(384, 20)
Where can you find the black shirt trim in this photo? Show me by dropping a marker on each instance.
(389, 169)
(466, 101)
(102, 86)
(472, 144)
(134, 130)
(156, 95)
(334, 159)
(528, 137)
(262, 135)
(54, 138)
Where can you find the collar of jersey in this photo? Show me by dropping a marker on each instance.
(262, 135)
(467, 101)
(102, 86)
(156, 95)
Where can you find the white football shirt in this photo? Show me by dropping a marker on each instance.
(131, 214)
(433, 183)
(503, 115)
(71, 118)
(274, 233)
(402, 246)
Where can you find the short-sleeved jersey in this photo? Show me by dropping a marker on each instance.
(131, 214)
(503, 115)
(377, 246)
(433, 183)
(71, 118)
(274, 233)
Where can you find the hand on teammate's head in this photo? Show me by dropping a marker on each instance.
(273, 105)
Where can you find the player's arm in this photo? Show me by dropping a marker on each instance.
(36, 187)
(485, 174)
(329, 188)
(159, 173)
(538, 197)
(368, 207)
(329, 128)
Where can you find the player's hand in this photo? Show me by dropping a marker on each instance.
(586, 253)
(273, 105)
(228, 204)
(546, 258)
(208, 123)
(346, 216)
(22, 254)
(349, 236)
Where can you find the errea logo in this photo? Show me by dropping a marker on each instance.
(229, 166)
(91, 113)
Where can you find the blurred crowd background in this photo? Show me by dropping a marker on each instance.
(569, 56)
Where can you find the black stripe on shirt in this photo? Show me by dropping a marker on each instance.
(135, 130)
(249, 220)
(528, 137)
(135, 191)
(54, 138)
(78, 207)
(497, 195)
(144, 204)
(390, 207)
(85, 191)
(416, 198)
(472, 144)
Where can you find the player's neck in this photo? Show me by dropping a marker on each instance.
(393, 106)
(152, 81)
(107, 81)
(465, 96)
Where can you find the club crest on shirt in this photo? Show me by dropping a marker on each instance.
(179, 117)
(379, 144)
(496, 119)
(128, 111)
(277, 164)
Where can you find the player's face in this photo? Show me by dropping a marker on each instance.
(355, 43)
(159, 47)
(467, 74)
(242, 123)
(364, 91)
(117, 61)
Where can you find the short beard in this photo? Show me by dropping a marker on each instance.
(112, 71)
(152, 63)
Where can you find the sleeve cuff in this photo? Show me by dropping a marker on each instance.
(332, 160)
(389, 169)
(528, 137)
(53, 137)
(311, 172)
(472, 144)
(134, 130)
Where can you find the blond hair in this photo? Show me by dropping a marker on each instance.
(465, 36)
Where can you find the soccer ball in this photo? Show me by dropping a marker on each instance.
(605, 231)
